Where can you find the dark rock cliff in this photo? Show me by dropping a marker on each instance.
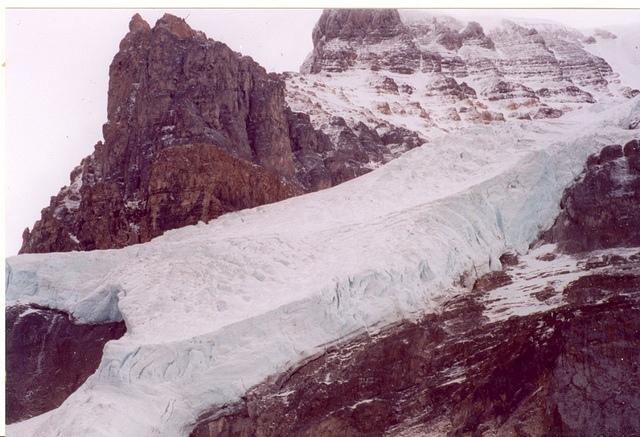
(602, 209)
(48, 357)
(194, 130)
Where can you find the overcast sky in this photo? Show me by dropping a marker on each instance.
(57, 77)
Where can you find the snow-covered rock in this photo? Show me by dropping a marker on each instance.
(514, 69)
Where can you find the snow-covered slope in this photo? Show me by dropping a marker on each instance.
(622, 53)
(213, 309)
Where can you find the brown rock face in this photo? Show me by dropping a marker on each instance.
(49, 357)
(185, 184)
(193, 183)
(601, 209)
(492, 281)
(171, 85)
(372, 24)
(194, 130)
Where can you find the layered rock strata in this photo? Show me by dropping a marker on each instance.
(452, 73)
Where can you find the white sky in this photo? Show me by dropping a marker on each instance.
(57, 65)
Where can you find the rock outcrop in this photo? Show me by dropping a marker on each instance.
(171, 90)
(344, 37)
(48, 357)
(194, 130)
(601, 209)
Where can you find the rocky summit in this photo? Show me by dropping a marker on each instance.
(194, 130)
(478, 274)
(431, 72)
(173, 94)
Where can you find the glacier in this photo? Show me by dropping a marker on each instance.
(213, 309)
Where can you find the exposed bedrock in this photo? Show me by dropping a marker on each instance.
(384, 39)
(194, 130)
(48, 356)
(339, 32)
(602, 209)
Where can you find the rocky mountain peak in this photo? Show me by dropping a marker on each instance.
(176, 26)
(195, 130)
(474, 32)
(173, 86)
(410, 65)
(138, 24)
(339, 31)
(379, 40)
(369, 24)
(173, 96)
